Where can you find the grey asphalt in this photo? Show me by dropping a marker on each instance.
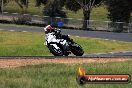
(111, 54)
(95, 34)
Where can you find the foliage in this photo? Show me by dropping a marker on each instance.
(53, 8)
(40, 2)
(23, 4)
(119, 10)
(22, 19)
(85, 5)
(4, 3)
(75, 5)
(72, 5)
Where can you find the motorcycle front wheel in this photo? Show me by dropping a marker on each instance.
(77, 50)
(55, 52)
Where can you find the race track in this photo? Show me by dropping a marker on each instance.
(95, 34)
(127, 37)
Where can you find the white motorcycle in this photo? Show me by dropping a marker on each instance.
(62, 45)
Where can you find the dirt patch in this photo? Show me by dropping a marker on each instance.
(10, 63)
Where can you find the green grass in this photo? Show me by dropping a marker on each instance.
(31, 44)
(98, 13)
(55, 76)
(13, 7)
(17, 43)
(16, 25)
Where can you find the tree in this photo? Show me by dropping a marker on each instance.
(119, 11)
(23, 4)
(85, 5)
(4, 3)
(53, 8)
(40, 2)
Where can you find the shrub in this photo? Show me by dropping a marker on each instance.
(22, 19)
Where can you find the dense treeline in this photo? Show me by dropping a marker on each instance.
(119, 10)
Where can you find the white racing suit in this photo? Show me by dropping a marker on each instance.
(50, 37)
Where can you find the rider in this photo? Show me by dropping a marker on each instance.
(50, 29)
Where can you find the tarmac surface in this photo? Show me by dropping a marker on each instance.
(127, 37)
(96, 34)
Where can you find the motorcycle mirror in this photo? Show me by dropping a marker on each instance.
(60, 24)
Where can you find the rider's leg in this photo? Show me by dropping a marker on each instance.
(67, 38)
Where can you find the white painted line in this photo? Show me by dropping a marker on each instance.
(11, 30)
(15, 13)
(113, 40)
(106, 39)
(97, 54)
(25, 14)
(69, 18)
(57, 17)
(45, 16)
(112, 52)
(5, 12)
(127, 51)
(24, 31)
(100, 53)
(35, 15)
(77, 36)
(121, 52)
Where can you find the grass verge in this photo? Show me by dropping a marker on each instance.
(16, 25)
(31, 44)
(55, 76)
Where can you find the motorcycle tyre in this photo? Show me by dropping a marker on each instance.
(53, 51)
(78, 49)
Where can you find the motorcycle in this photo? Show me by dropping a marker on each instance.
(62, 45)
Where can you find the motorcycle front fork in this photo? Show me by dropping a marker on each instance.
(66, 50)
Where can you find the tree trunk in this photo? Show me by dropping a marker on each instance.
(86, 19)
(0, 10)
(0, 6)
